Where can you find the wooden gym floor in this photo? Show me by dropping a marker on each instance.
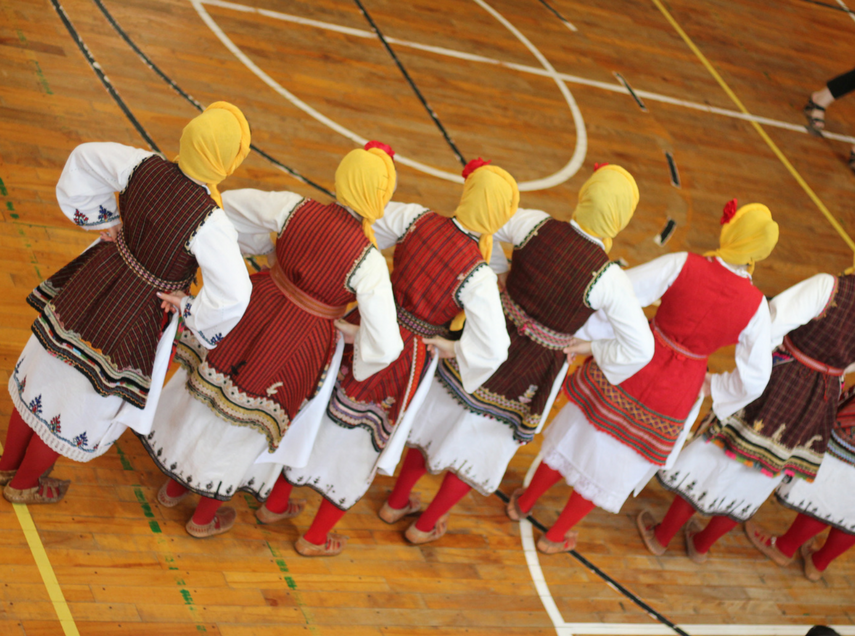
(108, 560)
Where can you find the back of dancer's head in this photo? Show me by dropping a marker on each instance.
(607, 201)
(821, 630)
(365, 181)
(748, 234)
(490, 198)
(213, 145)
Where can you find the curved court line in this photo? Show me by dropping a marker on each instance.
(552, 180)
(532, 70)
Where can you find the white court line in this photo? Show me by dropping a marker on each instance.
(533, 70)
(552, 180)
(845, 8)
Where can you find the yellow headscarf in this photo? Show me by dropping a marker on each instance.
(607, 201)
(490, 198)
(213, 145)
(365, 182)
(747, 236)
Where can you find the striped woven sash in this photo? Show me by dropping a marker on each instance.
(300, 298)
(809, 362)
(145, 275)
(418, 326)
(676, 348)
(531, 328)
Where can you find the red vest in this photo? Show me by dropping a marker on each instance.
(705, 309)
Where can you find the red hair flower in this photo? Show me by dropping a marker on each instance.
(597, 166)
(473, 165)
(729, 212)
(378, 144)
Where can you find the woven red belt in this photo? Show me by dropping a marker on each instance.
(301, 298)
(809, 362)
(138, 269)
(679, 350)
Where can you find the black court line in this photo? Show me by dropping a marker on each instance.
(195, 103)
(672, 167)
(829, 6)
(652, 613)
(626, 85)
(411, 83)
(106, 82)
(552, 9)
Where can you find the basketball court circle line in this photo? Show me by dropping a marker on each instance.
(532, 70)
(550, 181)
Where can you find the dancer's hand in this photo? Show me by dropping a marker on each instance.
(440, 346)
(109, 235)
(503, 280)
(706, 389)
(347, 329)
(171, 302)
(577, 348)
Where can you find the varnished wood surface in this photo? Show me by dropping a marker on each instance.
(126, 566)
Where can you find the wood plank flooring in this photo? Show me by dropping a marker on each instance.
(126, 566)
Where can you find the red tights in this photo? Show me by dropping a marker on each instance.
(206, 510)
(277, 500)
(328, 515)
(805, 528)
(677, 516)
(450, 492)
(544, 479)
(25, 452)
(413, 469)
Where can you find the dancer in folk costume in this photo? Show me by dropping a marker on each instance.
(222, 411)
(826, 501)
(610, 439)
(97, 359)
(742, 458)
(439, 270)
(560, 275)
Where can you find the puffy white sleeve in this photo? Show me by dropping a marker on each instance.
(800, 304)
(397, 219)
(257, 213)
(92, 175)
(226, 288)
(631, 346)
(483, 346)
(651, 280)
(734, 390)
(378, 341)
(520, 225)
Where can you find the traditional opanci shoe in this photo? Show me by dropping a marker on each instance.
(295, 507)
(332, 546)
(692, 528)
(222, 522)
(811, 572)
(6, 476)
(512, 508)
(418, 537)
(764, 541)
(167, 500)
(554, 547)
(646, 524)
(393, 515)
(48, 491)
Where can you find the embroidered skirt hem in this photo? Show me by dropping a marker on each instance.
(828, 498)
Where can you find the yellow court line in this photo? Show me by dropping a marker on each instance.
(66, 620)
(760, 130)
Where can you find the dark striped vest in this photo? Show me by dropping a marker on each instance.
(101, 316)
(433, 261)
(552, 274)
(830, 338)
